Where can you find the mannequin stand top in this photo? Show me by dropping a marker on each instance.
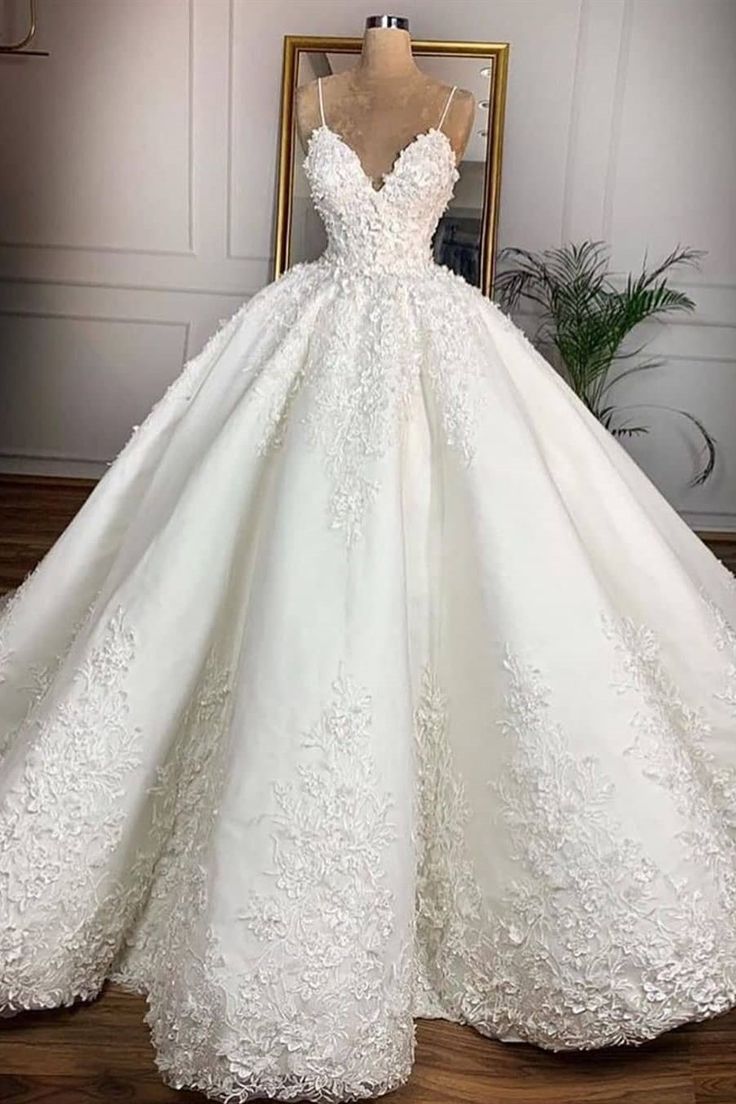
(382, 102)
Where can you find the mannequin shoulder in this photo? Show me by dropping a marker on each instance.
(306, 105)
(306, 109)
(462, 108)
(305, 95)
(459, 120)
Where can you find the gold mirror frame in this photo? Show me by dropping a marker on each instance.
(498, 52)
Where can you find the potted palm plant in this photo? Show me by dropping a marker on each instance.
(585, 317)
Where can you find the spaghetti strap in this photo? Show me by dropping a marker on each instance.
(447, 104)
(321, 101)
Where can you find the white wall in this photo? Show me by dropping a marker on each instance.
(137, 194)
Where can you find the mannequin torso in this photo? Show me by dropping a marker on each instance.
(383, 102)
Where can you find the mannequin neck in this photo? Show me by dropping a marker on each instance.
(385, 53)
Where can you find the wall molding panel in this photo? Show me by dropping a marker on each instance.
(99, 36)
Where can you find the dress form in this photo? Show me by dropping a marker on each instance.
(383, 101)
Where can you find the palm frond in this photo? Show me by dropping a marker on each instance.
(709, 441)
(585, 315)
(642, 366)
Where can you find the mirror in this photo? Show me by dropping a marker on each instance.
(465, 239)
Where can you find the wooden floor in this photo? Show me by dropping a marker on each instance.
(101, 1052)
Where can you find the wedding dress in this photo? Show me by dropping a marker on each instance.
(374, 680)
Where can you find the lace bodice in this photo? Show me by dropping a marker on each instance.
(386, 230)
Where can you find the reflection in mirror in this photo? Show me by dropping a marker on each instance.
(465, 237)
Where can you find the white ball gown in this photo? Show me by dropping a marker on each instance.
(373, 681)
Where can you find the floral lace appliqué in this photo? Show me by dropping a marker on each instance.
(575, 947)
(80, 755)
(325, 976)
(672, 739)
(331, 967)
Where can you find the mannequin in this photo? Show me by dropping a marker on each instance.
(379, 105)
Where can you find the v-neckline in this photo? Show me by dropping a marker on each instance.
(385, 177)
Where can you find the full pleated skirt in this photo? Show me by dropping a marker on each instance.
(374, 680)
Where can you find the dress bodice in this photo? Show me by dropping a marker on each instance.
(385, 230)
